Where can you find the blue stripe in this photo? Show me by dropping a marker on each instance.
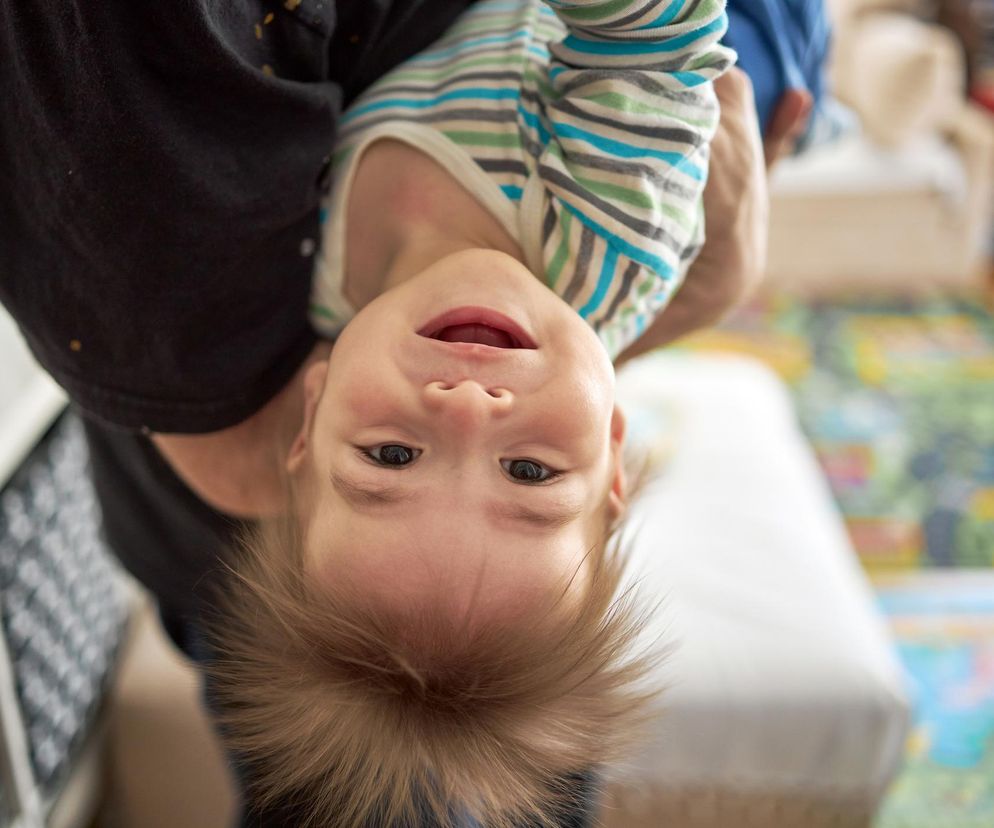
(690, 79)
(534, 122)
(650, 260)
(622, 150)
(603, 282)
(469, 45)
(468, 94)
(638, 47)
(512, 192)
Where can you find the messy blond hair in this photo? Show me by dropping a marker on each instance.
(354, 712)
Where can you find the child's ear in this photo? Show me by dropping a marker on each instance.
(617, 496)
(314, 379)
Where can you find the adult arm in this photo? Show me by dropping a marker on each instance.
(624, 121)
(736, 203)
(225, 467)
(161, 170)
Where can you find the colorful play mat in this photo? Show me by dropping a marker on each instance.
(943, 624)
(897, 398)
(898, 401)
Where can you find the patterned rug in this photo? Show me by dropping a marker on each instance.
(943, 623)
(897, 398)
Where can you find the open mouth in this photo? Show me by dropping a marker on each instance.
(477, 326)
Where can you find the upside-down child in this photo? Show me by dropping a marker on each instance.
(434, 628)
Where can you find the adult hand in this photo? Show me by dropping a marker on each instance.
(736, 206)
(786, 125)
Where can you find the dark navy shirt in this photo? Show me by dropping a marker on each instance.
(161, 166)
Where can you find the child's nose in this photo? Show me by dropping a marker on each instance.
(467, 404)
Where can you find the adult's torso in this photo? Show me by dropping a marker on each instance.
(160, 172)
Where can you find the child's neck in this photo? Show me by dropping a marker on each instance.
(406, 212)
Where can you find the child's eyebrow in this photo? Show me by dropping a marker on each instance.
(359, 495)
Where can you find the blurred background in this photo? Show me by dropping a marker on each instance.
(876, 314)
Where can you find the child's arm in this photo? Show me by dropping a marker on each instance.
(620, 126)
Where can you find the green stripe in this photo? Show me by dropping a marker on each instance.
(472, 24)
(555, 268)
(456, 67)
(320, 310)
(623, 103)
(542, 85)
(468, 138)
(609, 8)
(606, 9)
(703, 13)
(636, 198)
(678, 215)
(616, 192)
(705, 60)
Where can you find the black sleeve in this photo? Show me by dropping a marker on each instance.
(161, 166)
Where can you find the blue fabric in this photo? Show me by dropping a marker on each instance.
(782, 44)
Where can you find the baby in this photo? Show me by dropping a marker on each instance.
(435, 629)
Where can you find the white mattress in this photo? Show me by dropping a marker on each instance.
(29, 399)
(784, 677)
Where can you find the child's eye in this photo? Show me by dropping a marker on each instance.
(528, 471)
(391, 454)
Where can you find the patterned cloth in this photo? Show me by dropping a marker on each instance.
(63, 613)
(583, 126)
(943, 623)
(897, 397)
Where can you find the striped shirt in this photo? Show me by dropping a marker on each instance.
(582, 125)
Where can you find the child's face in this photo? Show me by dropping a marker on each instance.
(421, 452)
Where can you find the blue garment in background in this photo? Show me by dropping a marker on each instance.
(782, 44)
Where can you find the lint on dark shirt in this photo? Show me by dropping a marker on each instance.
(160, 171)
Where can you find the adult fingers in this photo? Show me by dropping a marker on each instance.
(788, 122)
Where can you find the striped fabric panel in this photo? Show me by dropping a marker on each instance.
(607, 103)
(627, 145)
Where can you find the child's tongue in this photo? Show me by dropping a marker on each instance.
(480, 334)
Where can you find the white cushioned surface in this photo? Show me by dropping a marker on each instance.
(29, 399)
(783, 677)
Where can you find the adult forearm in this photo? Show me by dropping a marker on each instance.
(732, 262)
